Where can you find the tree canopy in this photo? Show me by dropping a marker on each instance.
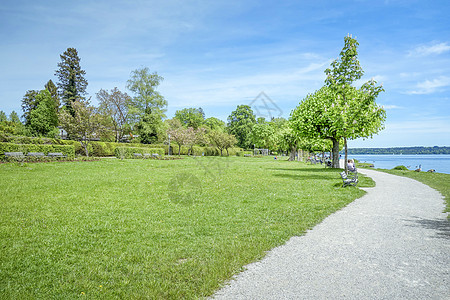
(144, 84)
(240, 124)
(191, 117)
(339, 110)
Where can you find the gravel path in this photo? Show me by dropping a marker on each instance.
(393, 243)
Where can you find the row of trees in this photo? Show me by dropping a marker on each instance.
(323, 120)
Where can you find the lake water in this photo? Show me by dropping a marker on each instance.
(439, 162)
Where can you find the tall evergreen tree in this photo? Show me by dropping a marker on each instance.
(51, 87)
(28, 104)
(72, 84)
(14, 117)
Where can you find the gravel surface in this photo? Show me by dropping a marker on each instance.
(393, 243)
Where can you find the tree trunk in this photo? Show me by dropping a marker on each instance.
(335, 153)
(346, 156)
(292, 153)
(179, 150)
(85, 146)
(300, 155)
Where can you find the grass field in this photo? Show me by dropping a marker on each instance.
(150, 228)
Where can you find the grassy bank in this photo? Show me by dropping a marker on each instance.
(150, 228)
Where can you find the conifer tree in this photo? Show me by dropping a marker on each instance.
(72, 84)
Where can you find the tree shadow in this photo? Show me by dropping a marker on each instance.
(440, 226)
(317, 170)
(305, 173)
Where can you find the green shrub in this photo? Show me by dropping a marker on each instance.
(403, 168)
(128, 152)
(26, 148)
(243, 153)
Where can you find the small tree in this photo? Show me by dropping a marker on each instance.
(180, 136)
(222, 140)
(84, 125)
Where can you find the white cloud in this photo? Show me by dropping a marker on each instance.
(429, 126)
(429, 50)
(391, 107)
(431, 86)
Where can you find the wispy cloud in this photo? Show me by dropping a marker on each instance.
(389, 107)
(430, 50)
(431, 86)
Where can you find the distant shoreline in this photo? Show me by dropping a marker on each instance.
(399, 150)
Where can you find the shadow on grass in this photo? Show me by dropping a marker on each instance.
(308, 173)
(316, 170)
(440, 226)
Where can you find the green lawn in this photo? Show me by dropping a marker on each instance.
(152, 228)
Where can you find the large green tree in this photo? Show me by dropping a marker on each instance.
(71, 81)
(263, 136)
(144, 84)
(190, 117)
(44, 119)
(240, 124)
(213, 123)
(339, 111)
(151, 127)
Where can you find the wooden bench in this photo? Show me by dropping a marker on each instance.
(56, 155)
(352, 180)
(137, 155)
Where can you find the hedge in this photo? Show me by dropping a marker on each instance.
(101, 149)
(128, 152)
(26, 148)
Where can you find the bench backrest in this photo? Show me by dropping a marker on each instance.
(55, 154)
(14, 154)
(36, 154)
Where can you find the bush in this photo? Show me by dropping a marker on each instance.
(243, 153)
(26, 148)
(128, 152)
(403, 168)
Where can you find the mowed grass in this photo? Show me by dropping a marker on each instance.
(150, 228)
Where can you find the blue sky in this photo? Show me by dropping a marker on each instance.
(220, 54)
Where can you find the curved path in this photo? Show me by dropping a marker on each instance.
(393, 243)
